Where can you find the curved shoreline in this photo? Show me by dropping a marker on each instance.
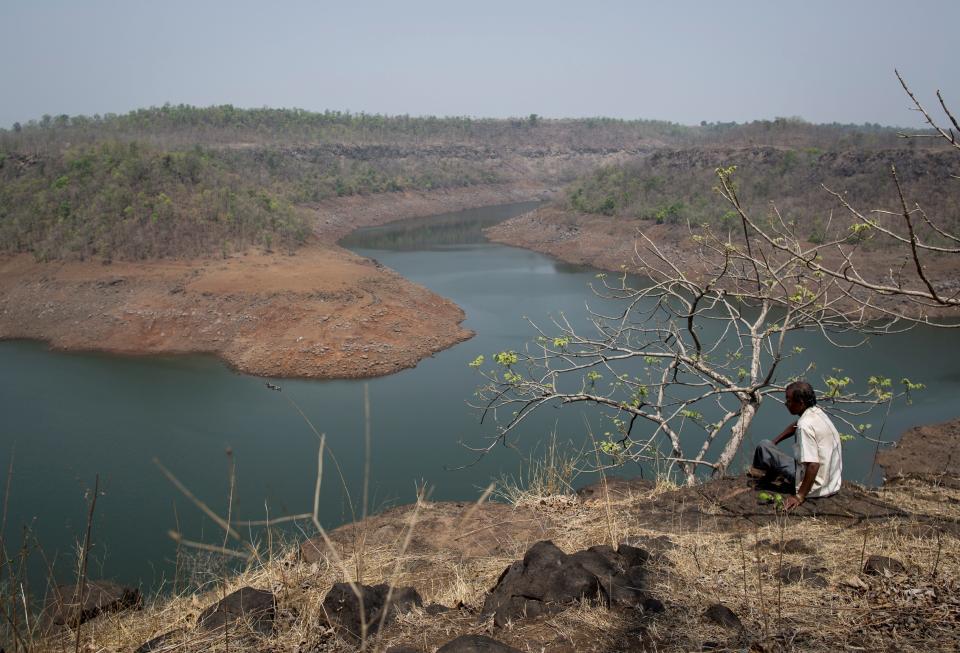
(610, 244)
(321, 312)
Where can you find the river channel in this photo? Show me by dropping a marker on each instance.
(66, 417)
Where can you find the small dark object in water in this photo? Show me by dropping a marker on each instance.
(273, 386)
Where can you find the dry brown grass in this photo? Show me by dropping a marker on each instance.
(918, 611)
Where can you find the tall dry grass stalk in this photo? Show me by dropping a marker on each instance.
(551, 474)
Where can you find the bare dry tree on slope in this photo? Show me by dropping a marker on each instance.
(907, 290)
(691, 348)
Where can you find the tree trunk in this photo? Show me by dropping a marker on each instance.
(748, 410)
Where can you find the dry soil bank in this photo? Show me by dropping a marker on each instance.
(319, 312)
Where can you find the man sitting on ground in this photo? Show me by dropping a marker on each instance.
(815, 468)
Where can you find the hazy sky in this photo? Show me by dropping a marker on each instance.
(679, 61)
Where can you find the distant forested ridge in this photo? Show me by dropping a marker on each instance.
(677, 186)
(177, 181)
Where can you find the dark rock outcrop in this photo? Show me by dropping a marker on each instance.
(249, 606)
(99, 596)
(720, 614)
(345, 614)
(476, 644)
(547, 580)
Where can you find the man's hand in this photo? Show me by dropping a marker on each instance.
(792, 502)
(809, 475)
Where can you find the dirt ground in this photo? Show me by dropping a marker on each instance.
(930, 452)
(321, 312)
(795, 582)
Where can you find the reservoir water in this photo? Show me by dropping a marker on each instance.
(65, 417)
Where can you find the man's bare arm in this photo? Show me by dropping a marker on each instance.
(787, 433)
(809, 476)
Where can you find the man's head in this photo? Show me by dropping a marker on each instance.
(799, 397)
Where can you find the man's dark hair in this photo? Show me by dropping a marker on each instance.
(803, 392)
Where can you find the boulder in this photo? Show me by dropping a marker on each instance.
(99, 596)
(621, 573)
(881, 565)
(547, 580)
(476, 644)
(720, 614)
(802, 574)
(248, 605)
(343, 608)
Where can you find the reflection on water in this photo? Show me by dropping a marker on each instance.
(432, 232)
(570, 268)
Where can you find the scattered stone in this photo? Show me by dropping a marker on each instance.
(343, 609)
(160, 642)
(476, 644)
(721, 614)
(881, 565)
(547, 580)
(249, 605)
(802, 574)
(99, 596)
(855, 582)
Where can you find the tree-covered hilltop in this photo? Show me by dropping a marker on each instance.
(677, 186)
(176, 126)
(131, 201)
(178, 181)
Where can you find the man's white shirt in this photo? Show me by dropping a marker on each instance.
(819, 442)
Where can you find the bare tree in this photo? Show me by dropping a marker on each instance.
(910, 239)
(692, 348)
